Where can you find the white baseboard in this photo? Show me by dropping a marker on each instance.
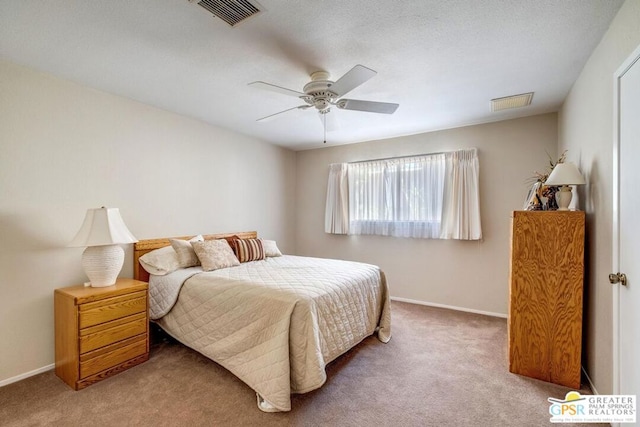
(450, 307)
(26, 375)
(593, 388)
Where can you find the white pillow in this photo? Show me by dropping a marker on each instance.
(186, 256)
(160, 261)
(215, 254)
(270, 248)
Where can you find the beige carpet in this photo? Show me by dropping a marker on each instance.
(441, 368)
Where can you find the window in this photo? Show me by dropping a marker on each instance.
(397, 197)
(429, 196)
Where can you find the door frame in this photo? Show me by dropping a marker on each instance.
(615, 259)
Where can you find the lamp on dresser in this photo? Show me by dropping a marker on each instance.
(564, 175)
(102, 232)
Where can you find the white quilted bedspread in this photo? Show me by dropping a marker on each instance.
(276, 323)
(164, 290)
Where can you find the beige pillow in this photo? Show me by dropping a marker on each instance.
(270, 248)
(160, 261)
(215, 254)
(186, 256)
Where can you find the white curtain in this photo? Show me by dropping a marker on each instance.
(434, 196)
(461, 203)
(397, 197)
(336, 215)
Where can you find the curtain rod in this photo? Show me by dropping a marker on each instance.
(400, 157)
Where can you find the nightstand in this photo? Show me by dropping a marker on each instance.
(100, 331)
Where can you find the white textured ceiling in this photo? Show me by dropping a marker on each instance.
(442, 61)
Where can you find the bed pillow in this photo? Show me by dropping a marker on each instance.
(215, 254)
(230, 240)
(186, 256)
(270, 248)
(248, 249)
(160, 261)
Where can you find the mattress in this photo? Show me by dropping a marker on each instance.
(275, 323)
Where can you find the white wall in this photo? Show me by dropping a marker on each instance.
(585, 125)
(471, 275)
(65, 148)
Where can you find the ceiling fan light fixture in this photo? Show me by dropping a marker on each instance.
(513, 101)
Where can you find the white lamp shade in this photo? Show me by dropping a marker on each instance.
(565, 174)
(102, 226)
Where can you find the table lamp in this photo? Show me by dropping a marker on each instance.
(102, 231)
(564, 175)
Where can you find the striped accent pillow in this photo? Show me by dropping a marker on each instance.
(248, 249)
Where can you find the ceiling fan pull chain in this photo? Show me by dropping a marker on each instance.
(324, 125)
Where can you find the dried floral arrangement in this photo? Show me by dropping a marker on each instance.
(542, 176)
(542, 197)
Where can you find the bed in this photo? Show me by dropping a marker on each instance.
(275, 323)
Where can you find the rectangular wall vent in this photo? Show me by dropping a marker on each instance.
(230, 11)
(514, 101)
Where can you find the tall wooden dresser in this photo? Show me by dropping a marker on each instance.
(545, 295)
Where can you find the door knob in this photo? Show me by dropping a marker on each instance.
(618, 278)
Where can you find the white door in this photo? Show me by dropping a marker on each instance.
(626, 237)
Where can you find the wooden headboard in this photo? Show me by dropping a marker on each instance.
(143, 246)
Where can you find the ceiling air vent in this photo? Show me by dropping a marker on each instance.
(230, 11)
(514, 101)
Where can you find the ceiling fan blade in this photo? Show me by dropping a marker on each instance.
(272, 116)
(368, 106)
(352, 79)
(278, 89)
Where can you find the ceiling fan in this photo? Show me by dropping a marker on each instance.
(322, 94)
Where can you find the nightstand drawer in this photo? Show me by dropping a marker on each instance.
(108, 359)
(111, 332)
(109, 309)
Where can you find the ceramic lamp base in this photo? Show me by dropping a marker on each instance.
(563, 197)
(102, 264)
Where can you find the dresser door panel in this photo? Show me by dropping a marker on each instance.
(545, 304)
